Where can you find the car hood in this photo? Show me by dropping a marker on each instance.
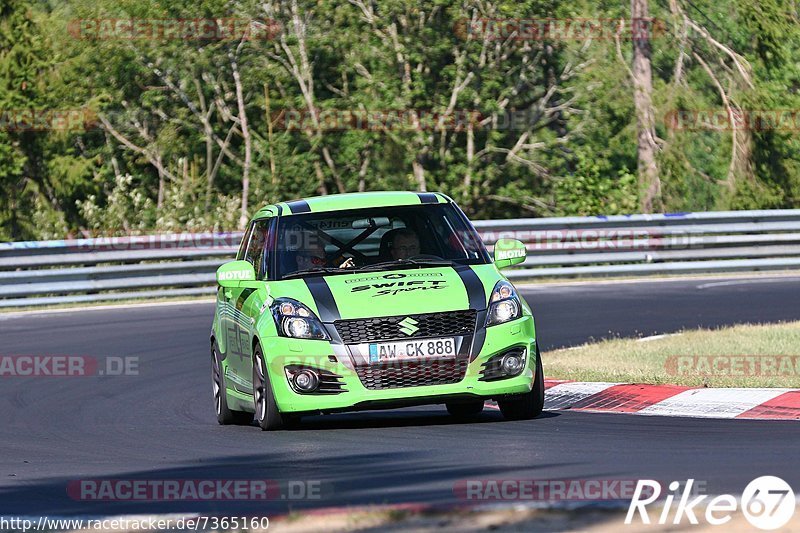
(396, 292)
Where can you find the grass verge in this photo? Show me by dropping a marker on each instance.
(739, 356)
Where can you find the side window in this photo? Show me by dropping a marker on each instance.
(257, 253)
(443, 238)
(245, 240)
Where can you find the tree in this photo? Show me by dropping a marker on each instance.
(642, 76)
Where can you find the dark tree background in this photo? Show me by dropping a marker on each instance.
(186, 132)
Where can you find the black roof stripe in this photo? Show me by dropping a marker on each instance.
(428, 198)
(299, 206)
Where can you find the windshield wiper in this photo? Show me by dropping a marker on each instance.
(316, 270)
(404, 263)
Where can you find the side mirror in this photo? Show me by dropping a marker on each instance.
(230, 274)
(509, 252)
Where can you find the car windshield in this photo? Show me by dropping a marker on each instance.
(417, 236)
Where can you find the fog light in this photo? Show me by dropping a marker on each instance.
(306, 381)
(513, 364)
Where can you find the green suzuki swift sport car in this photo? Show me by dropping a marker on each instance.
(370, 301)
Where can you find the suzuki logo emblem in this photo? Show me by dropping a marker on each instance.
(408, 326)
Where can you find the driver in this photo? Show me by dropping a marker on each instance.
(404, 244)
(314, 257)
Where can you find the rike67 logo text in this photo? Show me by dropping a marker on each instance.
(768, 503)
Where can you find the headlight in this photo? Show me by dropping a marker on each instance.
(295, 320)
(504, 304)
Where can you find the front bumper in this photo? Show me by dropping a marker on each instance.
(323, 355)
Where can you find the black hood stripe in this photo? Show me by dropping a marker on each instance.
(475, 292)
(477, 300)
(323, 297)
(299, 206)
(428, 198)
(329, 313)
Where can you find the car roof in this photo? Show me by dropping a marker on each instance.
(357, 200)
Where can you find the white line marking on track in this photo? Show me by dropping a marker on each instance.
(566, 395)
(746, 282)
(712, 403)
(656, 337)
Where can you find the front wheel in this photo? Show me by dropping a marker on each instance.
(268, 416)
(225, 416)
(528, 405)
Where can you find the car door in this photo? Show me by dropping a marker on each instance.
(226, 331)
(242, 312)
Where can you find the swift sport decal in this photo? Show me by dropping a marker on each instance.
(395, 287)
(395, 275)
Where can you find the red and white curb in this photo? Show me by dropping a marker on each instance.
(672, 400)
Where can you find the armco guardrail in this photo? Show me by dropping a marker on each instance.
(103, 269)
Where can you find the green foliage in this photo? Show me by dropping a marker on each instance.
(171, 154)
(591, 191)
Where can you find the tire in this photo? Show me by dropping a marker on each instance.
(528, 405)
(465, 411)
(267, 415)
(225, 416)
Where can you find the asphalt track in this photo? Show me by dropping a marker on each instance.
(160, 424)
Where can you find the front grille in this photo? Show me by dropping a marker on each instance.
(453, 323)
(412, 374)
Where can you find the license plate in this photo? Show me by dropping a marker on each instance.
(442, 348)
